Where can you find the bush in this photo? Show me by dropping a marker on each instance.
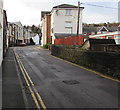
(11, 44)
(47, 46)
(104, 62)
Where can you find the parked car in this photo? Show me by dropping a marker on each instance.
(22, 44)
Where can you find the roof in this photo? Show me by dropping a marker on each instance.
(101, 41)
(66, 6)
(111, 29)
(96, 29)
(43, 13)
(62, 35)
(89, 29)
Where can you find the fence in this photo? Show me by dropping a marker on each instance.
(72, 40)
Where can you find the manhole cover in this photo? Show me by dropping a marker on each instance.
(71, 82)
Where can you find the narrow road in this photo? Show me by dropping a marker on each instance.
(63, 85)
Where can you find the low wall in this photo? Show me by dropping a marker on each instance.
(71, 40)
(104, 62)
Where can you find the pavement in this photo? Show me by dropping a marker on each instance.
(12, 97)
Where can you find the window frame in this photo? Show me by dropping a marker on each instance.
(68, 24)
(68, 12)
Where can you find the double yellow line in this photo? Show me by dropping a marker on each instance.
(35, 95)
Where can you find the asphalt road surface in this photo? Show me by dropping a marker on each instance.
(63, 85)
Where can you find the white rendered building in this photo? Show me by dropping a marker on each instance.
(64, 20)
(1, 31)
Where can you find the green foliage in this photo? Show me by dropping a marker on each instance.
(11, 44)
(35, 29)
(104, 62)
(45, 46)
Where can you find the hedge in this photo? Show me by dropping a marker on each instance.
(104, 62)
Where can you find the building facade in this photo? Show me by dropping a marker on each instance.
(110, 35)
(46, 27)
(1, 31)
(26, 35)
(64, 20)
(19, 33)
(5, 37)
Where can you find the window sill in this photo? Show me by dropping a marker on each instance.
(68, 15)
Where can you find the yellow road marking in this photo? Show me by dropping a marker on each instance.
(100, 74)
(38, 95)
(31, 91)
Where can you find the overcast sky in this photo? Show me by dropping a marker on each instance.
(29, 11)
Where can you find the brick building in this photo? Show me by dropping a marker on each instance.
(46, 28)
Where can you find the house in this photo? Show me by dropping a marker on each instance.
(109, 35)
(19, 34)
(11, 33)
(26, 35)
(64, 20)
(1, 31)
(15, 33)
(36, 39)
(46, 27)
(92, 30)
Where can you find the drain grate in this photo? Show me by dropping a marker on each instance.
(71, 82)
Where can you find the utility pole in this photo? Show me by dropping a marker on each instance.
(78, 22)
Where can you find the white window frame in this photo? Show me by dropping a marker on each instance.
(68, 24)
(68, 12)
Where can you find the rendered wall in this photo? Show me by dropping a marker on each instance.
(1, 31)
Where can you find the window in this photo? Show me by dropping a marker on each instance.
(68, 12)
(109, 37)
(68, 24)
(117, 36)
(52, 30)
(92, 33)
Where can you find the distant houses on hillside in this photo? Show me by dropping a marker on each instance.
(62, 20)
(92, 30)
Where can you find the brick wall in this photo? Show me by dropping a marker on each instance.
(49, 38)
